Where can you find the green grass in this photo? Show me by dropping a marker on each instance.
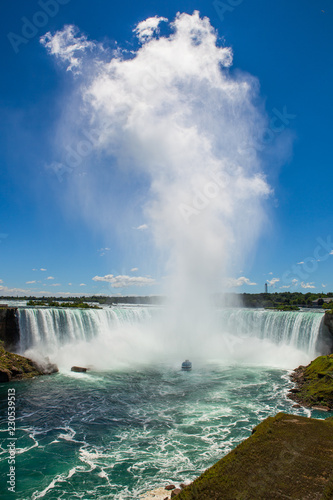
(317, 385)
(16, 366)
(287, 457)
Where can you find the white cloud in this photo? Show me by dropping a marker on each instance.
(83, 284)
(68, 47)
(34, 269)
(270, 273)
(146, 29)
(102, 251)
(56, 284)
(1, 281)
(69, 284)
(134, 269)
(331, 252)
(324, 286)
(233, 282)
(30, 282)
(294, 281)
(5, 290)
(175, 116)
(299, 263)
(123, 281)
(307, 285)
(50, 278)
(273, 281)
(41, 269)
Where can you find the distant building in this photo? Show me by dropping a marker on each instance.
(266, 288)
(320, 302)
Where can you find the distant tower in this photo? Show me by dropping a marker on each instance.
(266, 288)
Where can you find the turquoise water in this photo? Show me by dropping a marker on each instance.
(136, 421)
(119, 434)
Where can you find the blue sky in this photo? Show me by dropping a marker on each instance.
(58, 232)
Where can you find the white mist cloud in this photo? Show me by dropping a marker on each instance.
(134, 269)
(50, 278)
(123, 281)
(142, 227)
(41, 269)
(174, 114)
(30, 282)
(146, 29)
(232, 282)
(67, 46)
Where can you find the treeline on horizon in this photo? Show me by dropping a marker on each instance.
(229, 299)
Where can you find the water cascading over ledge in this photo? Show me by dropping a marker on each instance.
(54, 327)
(125, 331)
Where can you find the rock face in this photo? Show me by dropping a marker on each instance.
(286, 457)
(9, 328)
(158, 494)
(314, 384)
(16, 367)
(328, 321)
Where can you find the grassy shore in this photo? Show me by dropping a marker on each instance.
(287, 456)
(16, 367)
(314, 383)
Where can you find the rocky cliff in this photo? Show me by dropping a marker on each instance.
(328, 321)
(314, 384)
(9, 328)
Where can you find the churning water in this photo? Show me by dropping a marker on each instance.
(118, 431)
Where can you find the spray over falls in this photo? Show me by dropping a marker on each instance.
(129, 336)
(174, 116)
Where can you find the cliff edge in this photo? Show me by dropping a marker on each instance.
(287, 456)
(15, 367)
(314, 384)
(9, 328)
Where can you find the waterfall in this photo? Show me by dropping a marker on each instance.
(124, 335)
(52, 327)
(302, 330)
